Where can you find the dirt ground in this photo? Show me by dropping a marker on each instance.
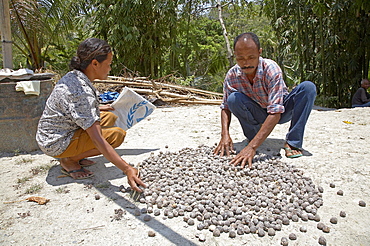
(96, 212)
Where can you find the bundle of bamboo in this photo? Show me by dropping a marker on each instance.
(168, 93)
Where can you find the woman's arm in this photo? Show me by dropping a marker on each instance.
(106, 107)
(109, 152)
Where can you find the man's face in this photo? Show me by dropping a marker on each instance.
(247, 55)
(366, 84)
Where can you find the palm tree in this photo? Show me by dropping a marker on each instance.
(37, 25)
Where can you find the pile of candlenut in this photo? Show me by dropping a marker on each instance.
(211, 194)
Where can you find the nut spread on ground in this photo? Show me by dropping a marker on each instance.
(207, 190)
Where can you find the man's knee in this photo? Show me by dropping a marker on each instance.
(234, 99)
(309, 88)
(237, 101)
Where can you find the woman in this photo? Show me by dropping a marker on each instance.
(72, 128)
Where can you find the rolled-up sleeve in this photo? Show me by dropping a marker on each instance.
(231, 79)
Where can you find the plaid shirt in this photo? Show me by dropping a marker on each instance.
(268, 88)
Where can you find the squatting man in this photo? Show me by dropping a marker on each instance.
(255, 92)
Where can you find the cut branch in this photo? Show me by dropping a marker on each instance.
(169, 93)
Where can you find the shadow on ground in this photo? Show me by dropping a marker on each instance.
(102, 182)
(271, 147)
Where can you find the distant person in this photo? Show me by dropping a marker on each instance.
(362, 98)
(255, 92)
(72, 126)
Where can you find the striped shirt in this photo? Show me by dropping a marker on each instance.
(268, 88)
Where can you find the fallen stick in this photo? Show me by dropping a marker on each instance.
(38, 199)
(210, 102)
(146, 83)
(175, 96)
(92, 228)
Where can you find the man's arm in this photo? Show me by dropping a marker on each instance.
(364, 98)
(247, 154)
(226, 143)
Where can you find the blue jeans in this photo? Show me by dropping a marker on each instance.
(362, 105)
(298, 105)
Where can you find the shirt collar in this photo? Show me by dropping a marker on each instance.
(84, 78)
(259, 70)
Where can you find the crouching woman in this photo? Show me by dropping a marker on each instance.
(73, 126)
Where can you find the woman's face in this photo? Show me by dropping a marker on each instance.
(103, 68)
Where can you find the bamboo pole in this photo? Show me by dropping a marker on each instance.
(177, 97)
(147, 83)
(165, 92)
(213, 102)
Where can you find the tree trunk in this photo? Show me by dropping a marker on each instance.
(224, 32)
(6, 35)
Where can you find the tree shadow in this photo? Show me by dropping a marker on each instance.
(105, 172)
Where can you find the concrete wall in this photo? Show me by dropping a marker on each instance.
(19, 116)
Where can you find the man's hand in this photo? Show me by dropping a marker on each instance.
(245, 156)
(133, 179)
(225, 146)
(106, 107)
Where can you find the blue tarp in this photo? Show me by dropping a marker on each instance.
(108, 96)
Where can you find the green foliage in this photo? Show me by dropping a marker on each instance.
(324, 41)
(39, 25)
(207, 54)
(238, 17)
(139, 32)
(59, 55)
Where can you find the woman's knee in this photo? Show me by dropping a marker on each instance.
(115, 136)
(107, 118)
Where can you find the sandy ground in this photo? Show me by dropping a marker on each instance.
(335, 152)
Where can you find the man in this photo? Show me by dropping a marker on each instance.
(255, 92)
(362, 98)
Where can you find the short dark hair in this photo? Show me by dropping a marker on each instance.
(88, 50)
(248, 35)
(363, 81)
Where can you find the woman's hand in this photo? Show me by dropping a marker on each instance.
(106, 107)
(133, 179)
(103, 147)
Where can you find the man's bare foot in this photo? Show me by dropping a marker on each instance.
(292, 152)
(74, 170)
